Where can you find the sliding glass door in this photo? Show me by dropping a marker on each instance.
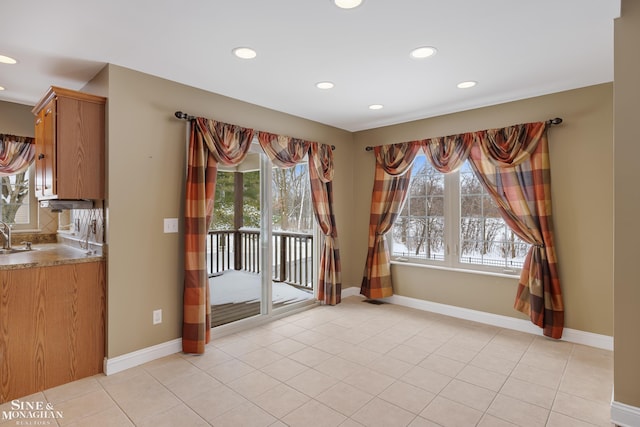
(260, 243)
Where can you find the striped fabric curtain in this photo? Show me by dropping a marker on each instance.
(392, 178)
(513, 165)
(321, 176)
(283, 151)
(448, 153)
(16, 154)
(210, 143)
(287, 152)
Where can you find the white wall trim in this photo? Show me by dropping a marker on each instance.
(624, 415)
(130, 360)
(350, 292)
(571, 335)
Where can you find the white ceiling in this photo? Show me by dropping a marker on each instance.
(515, 49)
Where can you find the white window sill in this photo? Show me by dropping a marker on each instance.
(514, 275)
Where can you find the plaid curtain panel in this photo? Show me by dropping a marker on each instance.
(513, 165)
(16, 154)
(392, 178)
(321, 177)
(287, 152)
(283, 151)
(210, 142)
(448, 153)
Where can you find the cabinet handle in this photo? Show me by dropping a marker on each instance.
(46, 113)
(40, 156)
(38, 121)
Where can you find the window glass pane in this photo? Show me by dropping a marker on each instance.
(15, 198)
(419, 230)
(485, 238)
(291, 192)
(223, 204)
(251, 199)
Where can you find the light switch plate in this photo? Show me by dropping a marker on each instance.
(157, 316)
(171, 225)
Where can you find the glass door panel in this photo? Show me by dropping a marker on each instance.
(292, 238)
(234, 246)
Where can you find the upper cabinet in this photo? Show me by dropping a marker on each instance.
(70, 134)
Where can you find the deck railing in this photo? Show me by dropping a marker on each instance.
(240, 250)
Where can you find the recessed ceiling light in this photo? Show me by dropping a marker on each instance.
(1, 88)
(467, 84)
(324, 85)
(347, 4)
(244, 52)
(376, 107)
(423, 52)
(7, 60)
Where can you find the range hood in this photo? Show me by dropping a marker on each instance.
(57, 205)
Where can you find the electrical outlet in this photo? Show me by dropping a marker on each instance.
(157, 316)
(171, 225)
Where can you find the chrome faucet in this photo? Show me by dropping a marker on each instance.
(5, 232)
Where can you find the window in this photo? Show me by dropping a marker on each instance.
(451, 220)
(18, 206)
(291, 194)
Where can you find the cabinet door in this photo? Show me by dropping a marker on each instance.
(45, 150)
(21, 333)
(52, 323)
(79, 149)
(75, 317)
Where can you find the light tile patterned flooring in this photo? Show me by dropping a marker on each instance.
(355, 364)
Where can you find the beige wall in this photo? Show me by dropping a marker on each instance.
(16, 119)
(146, 156)
(582, 178)
(627, 206)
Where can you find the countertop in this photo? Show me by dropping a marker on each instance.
(47, 254)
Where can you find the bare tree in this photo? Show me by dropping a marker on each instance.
(291, 204)
(13, 195)
(425, 207)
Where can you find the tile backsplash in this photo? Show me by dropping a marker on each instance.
(82, 227)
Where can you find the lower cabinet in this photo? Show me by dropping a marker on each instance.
(52, 322)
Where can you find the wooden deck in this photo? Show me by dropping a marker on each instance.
(235, 295)
(222, 314)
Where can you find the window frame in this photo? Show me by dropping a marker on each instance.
(32, 225)
(451, 235)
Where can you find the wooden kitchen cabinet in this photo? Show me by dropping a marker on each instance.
(70, 135)
(52, 326)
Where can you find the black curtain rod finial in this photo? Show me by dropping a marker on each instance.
(183, 116)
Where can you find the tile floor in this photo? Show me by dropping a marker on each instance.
(355, 364)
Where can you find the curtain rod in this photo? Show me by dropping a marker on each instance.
(185, 116)
(555, 121)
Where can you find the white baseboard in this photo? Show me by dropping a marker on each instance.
(350, 292)
(570, 335)
(130, 360)
(624, 415)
